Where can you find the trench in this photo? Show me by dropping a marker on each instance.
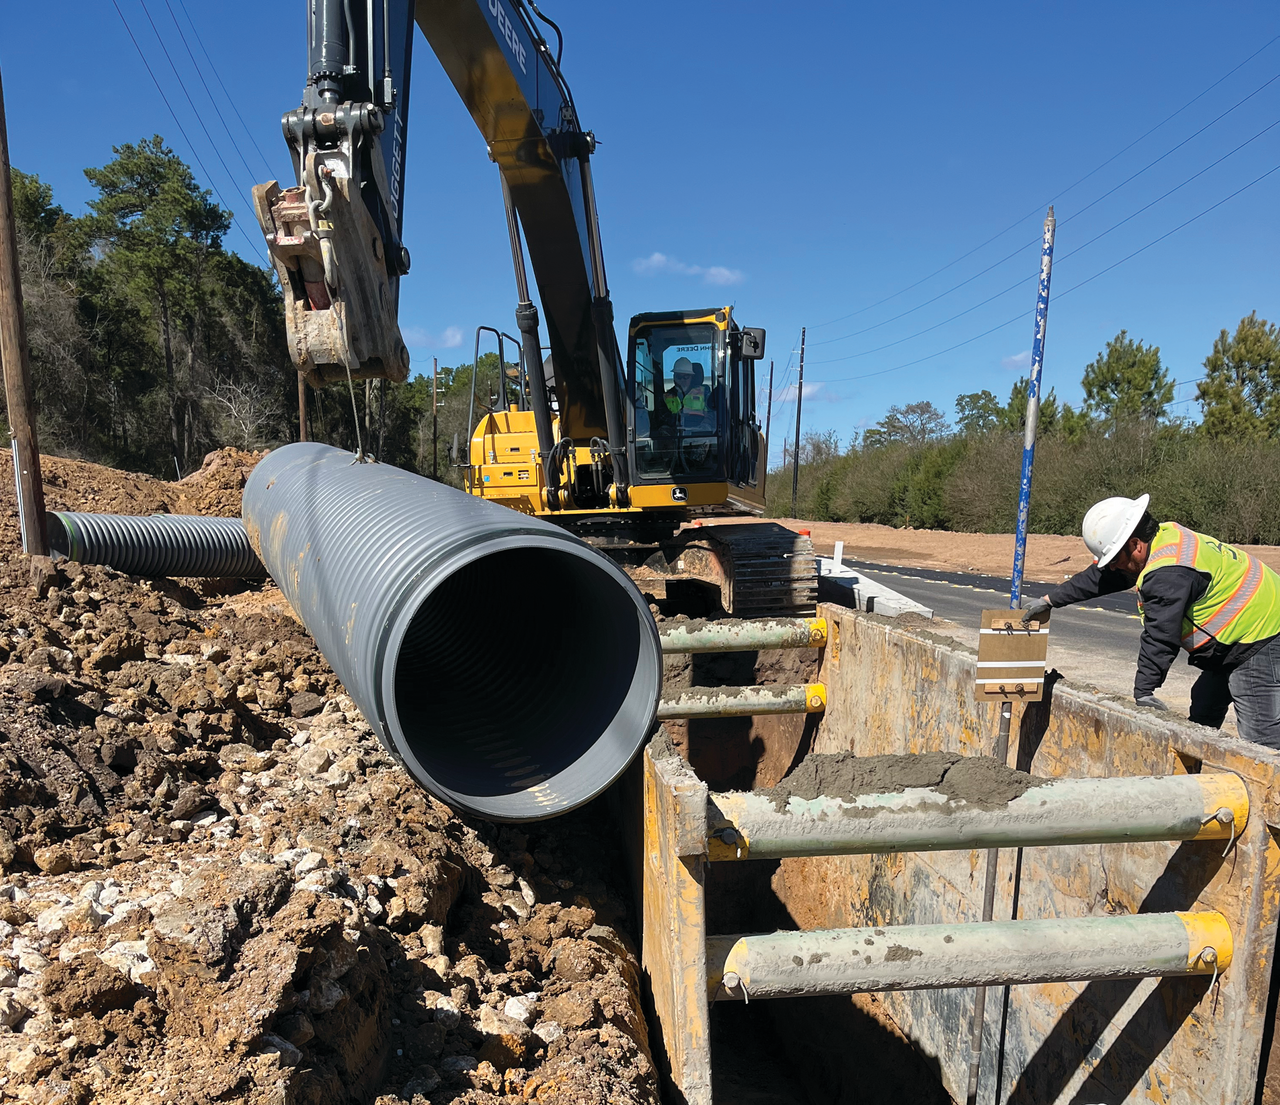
(799, 1051)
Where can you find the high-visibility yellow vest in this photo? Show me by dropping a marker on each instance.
(694, 401)
(1242, 601)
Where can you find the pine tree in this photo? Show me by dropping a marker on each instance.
(1127, 381)
(1240, 394)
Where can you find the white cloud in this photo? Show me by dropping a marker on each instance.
(815, 389)
(1019, 362)
(657, 263)
(415, 337)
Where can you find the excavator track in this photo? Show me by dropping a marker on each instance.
(760, 569)
(763, 568)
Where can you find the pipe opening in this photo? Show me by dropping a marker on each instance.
(522, 680)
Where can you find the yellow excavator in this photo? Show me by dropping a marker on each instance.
(624, 452)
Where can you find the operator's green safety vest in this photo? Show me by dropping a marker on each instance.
(1242, 601)
(695, 401)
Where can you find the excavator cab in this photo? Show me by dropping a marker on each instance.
(691, 401)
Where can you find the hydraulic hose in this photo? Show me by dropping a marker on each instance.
(514, 670)
(156, 545)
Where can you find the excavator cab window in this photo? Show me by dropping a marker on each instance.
(679, 405)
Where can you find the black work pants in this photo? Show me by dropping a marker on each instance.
(1253, 688)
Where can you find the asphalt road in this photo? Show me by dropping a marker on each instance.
(1092, 644)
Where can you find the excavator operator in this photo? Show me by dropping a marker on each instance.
(687, 399)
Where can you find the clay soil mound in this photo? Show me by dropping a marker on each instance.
(215, 885)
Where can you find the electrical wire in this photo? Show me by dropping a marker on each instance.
(1076, 214)
(1055, 199)
(227, 94)
(1021, 316)
(1018, 283)
(182, 130)
(221, 118)
(190, 102)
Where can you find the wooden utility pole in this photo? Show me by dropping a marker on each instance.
(17, 368)
(302, 408)
(435, 425)
(795, 448)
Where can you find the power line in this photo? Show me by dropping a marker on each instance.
(194, 65)
(1021, 316)
(1018, 283)
(194, 152)
(1076, 214)
(1037, 209)
(227, 94)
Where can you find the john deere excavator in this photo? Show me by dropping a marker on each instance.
(623, 453)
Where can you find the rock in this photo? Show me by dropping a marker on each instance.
(447, 1014)
(296, 1028)
(282, 1049)
(92, 890)
(521, 1008)
(312, 861)
(326, 996)
(572, 1009)
(191, 801)
(115, 650)
(129, 956)
(11, 1010)
(432, 939)
(506, 1041)
(314, 761)
(526, 892)
(86, 916)
(304, 704)
(548, 1031)
(425, 1079)
(458, 1064)
(56, 859)
(86, 984)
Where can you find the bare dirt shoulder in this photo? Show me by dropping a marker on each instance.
(1051, 558)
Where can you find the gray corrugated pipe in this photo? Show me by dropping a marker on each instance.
(513, 669)
(156, 545)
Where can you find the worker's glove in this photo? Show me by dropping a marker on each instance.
(1151, 702)
(1037, 611)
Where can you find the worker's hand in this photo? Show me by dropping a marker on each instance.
(1151, 702)
(1037, 610)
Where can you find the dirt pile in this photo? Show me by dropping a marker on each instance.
(216, 885)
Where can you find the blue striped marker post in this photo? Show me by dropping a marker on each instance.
(1033, 410)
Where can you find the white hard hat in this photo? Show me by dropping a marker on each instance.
(1110, 523)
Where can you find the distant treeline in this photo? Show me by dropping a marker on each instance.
(1220, 476)
(152, 344)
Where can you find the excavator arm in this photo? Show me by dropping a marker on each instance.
(335, 236)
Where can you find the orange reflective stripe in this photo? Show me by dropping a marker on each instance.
(1162, 553)
(1195, 639)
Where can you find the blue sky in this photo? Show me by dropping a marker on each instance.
(801, 163)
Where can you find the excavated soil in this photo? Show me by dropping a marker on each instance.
(215, 885)
(977, 780)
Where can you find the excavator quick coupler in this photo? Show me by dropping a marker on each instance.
(340, 302)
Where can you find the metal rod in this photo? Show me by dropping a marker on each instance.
(749, 825)
(779, 698)
(14, 357)
(302, 408)
(928, 957)
(435, 421)
(795, 446)
(745, 636)
(1033, 407)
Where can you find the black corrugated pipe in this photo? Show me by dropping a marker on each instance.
(156, 545)
(512, 668)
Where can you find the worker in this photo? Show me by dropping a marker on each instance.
(688, 398)
(1195, 592)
